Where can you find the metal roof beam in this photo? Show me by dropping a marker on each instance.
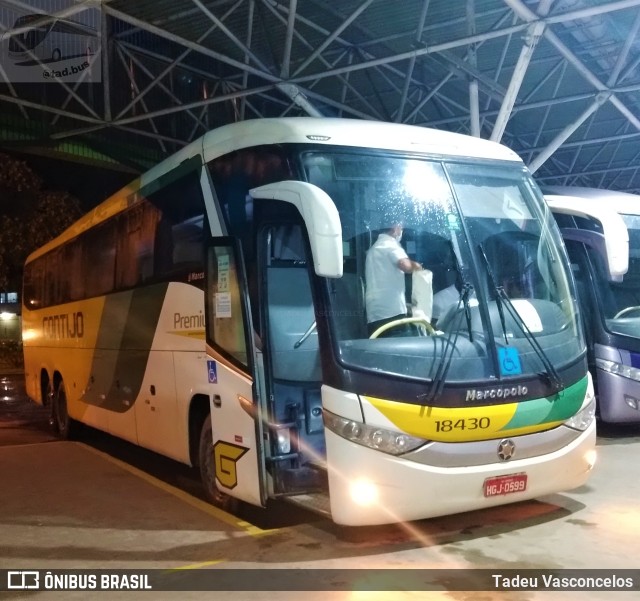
(474, 101)
(134, 84)
(49, 109)
(344, 80)
(288, 41)
(356, 13)
(412, 62)
(202, 50)
(622, 57)
(159, 83)
(528, 15)
(428, 97)
(606, 171)
(467, 40)
(163, 33)
(567, 132)
(531, 39)
(156, 80)
(193, 105)
(248, 42)
(230, 35)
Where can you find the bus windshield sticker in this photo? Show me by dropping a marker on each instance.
(212, 370)
(223, 305)
(454, 223)
(509, 361)
(223, 273)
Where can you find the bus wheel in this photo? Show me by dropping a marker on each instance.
(56, 54)
(64, 426)
(48, 397)
(208, 471)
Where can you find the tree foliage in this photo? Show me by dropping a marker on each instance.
(30, 216)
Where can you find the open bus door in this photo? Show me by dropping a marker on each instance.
(234, 372)
(242, 424)
(298, 233)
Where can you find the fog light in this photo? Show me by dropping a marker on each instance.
(284, 441)
(363, 493)
(631, 401)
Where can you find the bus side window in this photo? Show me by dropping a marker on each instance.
(225, 319)
(72, 272)
(98, 256)
(233, 175)
(174, 248)
(135, 245)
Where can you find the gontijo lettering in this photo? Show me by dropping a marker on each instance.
(65, 325)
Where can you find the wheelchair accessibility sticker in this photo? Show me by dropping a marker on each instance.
(212, 368)
(509, 361)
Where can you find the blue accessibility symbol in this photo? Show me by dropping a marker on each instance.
(509, 361)
(212, 368)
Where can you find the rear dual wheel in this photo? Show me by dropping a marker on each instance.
(64, 426)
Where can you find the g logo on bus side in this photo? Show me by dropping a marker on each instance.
(225, 457)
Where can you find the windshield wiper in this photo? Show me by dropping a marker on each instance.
(437, 383)
(498, 290)
(502, 297)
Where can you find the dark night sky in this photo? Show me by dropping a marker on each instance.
(89, 184)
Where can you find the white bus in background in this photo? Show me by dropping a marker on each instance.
(44, 39)
(601, 230)
(214, 311)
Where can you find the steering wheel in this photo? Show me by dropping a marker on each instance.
(625, 311)
(399, 322)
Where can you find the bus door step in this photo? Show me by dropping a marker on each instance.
(302, 479)
(316, 502)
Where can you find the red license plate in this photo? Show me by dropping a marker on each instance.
(505, 485)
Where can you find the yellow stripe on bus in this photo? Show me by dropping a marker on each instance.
(455, 424)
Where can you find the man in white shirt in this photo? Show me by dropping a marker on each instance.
(385, 266)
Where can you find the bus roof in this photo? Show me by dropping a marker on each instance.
(304, 130)
(585, 204)
(350, 132)
(592, 198)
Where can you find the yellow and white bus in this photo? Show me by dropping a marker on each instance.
(214, 311)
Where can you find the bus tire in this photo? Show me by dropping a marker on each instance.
(64, 426)
(208, 471)
(56, 54)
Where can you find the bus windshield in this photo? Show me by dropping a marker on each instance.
(621, 300)
(496, 291)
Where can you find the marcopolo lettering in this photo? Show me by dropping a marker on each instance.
(63, 326)
(496, 393)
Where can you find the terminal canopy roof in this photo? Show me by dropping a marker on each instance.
(555, 80)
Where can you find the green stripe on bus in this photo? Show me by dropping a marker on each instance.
(556, 408)
(127, 329)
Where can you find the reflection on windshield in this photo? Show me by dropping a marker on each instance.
(437, 215)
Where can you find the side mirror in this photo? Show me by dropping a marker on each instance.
(320, 217)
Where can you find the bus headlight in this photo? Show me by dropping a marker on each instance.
(582, 420)
(618, 369)
(374, 437)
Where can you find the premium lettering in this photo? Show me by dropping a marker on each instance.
(188, 322)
